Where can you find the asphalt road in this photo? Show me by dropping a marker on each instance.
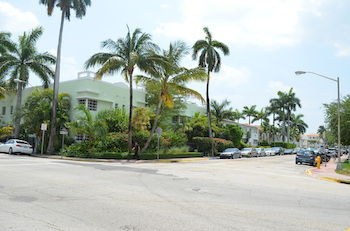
(270, 193)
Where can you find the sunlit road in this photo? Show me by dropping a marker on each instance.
(270, 193)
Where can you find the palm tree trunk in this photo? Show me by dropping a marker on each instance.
(160, 103)
(18, 107)
(209, 117)
(50, 148)
(249, 119)
(273, 126)
(130, 113)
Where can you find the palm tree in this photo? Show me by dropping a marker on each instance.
(170, 77)
(260, 115)
(134, 51)
(219, 110)
(209, 58)
(5, 43)
(237, 115)
(22, 60)
(79, 6)
(297, 126)
(249, 111)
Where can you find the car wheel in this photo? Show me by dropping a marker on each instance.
(10, 151)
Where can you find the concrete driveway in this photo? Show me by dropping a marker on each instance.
(270, 193)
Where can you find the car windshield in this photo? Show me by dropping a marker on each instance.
(307, 153)
(247, 149)
(231, 150)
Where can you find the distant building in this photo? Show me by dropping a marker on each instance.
(311, 141)
(251, 133)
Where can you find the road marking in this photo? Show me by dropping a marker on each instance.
(308, 172)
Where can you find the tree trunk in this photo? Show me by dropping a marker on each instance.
(160, 103)
(273, 126)
(130, 112)
(56, 83)
(209, 116)
(18, 107)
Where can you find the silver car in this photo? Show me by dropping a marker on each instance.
(261, 152)
(270, 152)
(16, 146)
(249, 152)
(231, 153)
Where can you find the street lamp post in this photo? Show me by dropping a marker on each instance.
(338, 110)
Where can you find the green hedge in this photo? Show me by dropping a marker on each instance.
(203, 144)
(283, 145)
(145, 156)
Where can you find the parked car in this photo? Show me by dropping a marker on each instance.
(288, 151)
(249, 152)
(270, 152)
(261, 152)
(278, 150)
(231, 153)
(306, 156)
(16, 146)
(296, 150)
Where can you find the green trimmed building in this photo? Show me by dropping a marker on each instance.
(96, 95)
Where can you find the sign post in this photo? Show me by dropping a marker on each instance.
(43, 128)
(159, 133)
(63, 132)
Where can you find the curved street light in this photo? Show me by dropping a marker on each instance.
(338, 110)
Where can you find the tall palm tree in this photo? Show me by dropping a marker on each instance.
(5, 43)
(210, 59)
(134, 51)
(260, 115)
(237, 115)
(249, 111)
(66, 6)
(170, 77)
(220, 111)
(22, 60)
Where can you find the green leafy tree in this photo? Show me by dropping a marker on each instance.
(134, 51)
(170, 77)
(116, 119)
(234, 133)
(141, 120)
(37, 109)
(66, 6)
(332, 121)
(209, 58)
(24, 58)
(249, 112)
(236, 115)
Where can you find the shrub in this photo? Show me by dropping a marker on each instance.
(203, 144)
(172, 139)
(112, 142)
(283, 145)
(264, 143)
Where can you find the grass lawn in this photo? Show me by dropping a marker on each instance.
(345, 170)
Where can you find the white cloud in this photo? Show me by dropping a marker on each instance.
(341, 50)
(224, 85)
(15, 20)
(253, 22)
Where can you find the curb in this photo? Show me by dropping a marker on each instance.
(119, 161)
(336, 180)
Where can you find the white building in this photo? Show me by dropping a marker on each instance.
(311, 141)
(251, 133)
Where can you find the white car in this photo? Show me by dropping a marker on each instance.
(270, 152)
(16, 146)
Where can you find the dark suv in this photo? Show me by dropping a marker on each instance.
(306, 156)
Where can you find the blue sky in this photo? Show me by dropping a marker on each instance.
(268, 40)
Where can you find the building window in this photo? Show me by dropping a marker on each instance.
(80, 137)
(11, 110)
(82, 101)
(123, 107)
(116, 105)
(3, 110)
(175, 119)
(92, 105)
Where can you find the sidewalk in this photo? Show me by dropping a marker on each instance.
(328, 172)
(121, 161)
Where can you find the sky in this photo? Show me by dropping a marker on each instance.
(269, 40)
